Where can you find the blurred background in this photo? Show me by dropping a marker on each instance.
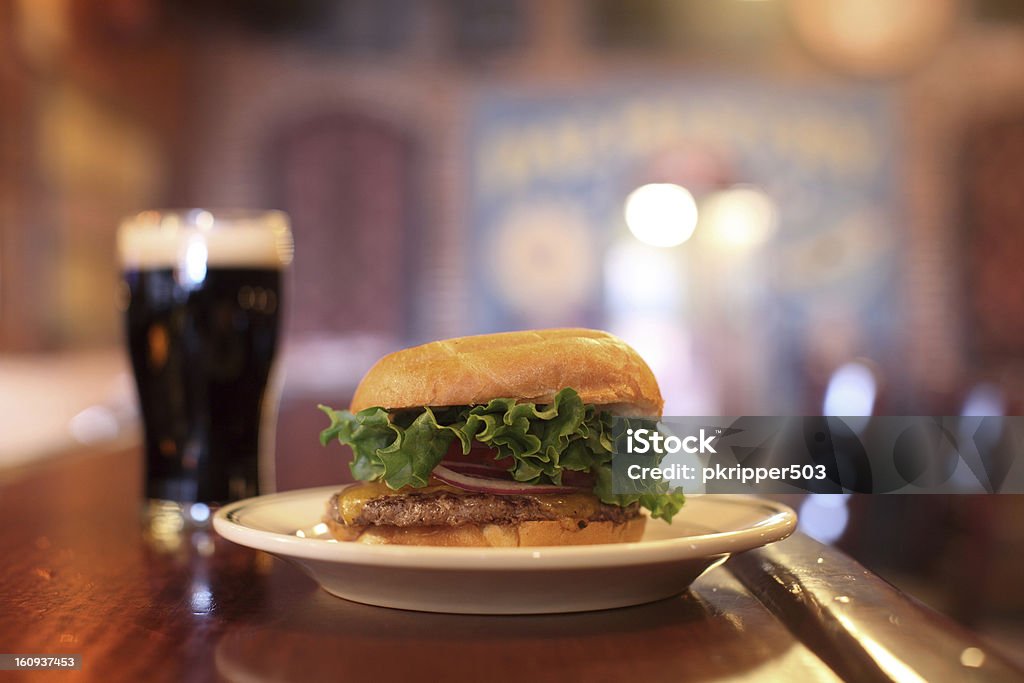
(789, 207)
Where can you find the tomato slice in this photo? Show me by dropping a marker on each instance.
(579, 479)
(479, 454)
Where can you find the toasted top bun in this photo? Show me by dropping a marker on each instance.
(529, 366)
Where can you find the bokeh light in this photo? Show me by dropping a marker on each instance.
(739, 217)
(851, 392)
(661, 214)
(824, 516)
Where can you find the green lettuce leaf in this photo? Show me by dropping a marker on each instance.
(402, 449)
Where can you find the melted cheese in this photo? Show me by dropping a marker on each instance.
(570, 505)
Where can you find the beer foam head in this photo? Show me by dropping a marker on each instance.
(225, 239)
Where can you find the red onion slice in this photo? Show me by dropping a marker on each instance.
(477, 484)
(477, 468)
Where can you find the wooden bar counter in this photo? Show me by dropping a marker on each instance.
(79, 576)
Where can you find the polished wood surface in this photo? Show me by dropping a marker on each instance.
(79, 576)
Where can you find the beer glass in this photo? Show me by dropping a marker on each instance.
(202, 295)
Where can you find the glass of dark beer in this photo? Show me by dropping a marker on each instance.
(202, 293)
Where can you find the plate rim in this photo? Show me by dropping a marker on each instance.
(779, 522)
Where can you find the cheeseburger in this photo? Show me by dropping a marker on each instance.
(494, 440)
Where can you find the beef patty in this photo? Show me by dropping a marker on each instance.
(443, 508)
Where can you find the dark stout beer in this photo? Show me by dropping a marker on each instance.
(202, 321)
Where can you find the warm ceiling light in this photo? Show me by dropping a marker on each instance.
(739, 217)
(661, 214)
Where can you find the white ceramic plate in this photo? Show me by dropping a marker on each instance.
(507, 580)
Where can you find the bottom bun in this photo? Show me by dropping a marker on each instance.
(557, 532)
